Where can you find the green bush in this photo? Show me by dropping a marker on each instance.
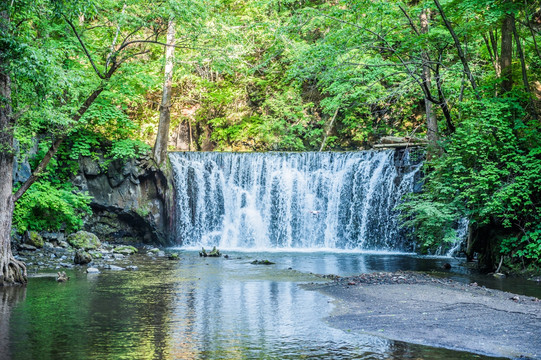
(490, 172)
(45, 207)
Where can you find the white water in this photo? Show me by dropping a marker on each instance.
(291, 200)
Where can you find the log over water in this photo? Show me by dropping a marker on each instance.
(292, 200)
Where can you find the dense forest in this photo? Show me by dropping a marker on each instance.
(115, 79)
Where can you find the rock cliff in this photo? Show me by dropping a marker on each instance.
(132, 200)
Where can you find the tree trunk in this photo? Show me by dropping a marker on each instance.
(521, 57)
(328, 130)
(12, 271)
(431, 121)
(160, 147)
(507, 52)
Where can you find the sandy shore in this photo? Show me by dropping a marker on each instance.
(421, 309)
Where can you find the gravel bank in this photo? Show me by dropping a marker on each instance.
(421, 309)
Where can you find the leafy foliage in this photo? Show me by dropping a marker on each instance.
(51, 208)
(490, 173)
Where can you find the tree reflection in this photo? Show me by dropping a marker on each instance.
(10, 296)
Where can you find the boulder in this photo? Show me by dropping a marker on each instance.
(84, 240)
(125, 250)
(82, 257)
(33, 238)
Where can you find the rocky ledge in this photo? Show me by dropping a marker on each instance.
(133, 200)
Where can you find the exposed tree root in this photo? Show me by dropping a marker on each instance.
(13, 271)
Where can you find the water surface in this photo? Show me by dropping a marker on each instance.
(196, 308)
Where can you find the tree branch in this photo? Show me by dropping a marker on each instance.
(55, 146)
(459, 49)
(409, 19)
(84, 47)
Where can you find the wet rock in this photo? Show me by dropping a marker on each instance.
(27, 247)
(262, 262)
(118, 256)
(213, 253)
(63, 244)
(61, 250)
(96, 254)
(447, 266)
(125, 250)
(84, 240)
(62, 277)
(33, 238)
(173, 256)
(66, 265)
(92, 270)
(131, 267)
(499, 275)
(115, 268)
(82, 257)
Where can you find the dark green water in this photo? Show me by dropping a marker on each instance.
(197, 308)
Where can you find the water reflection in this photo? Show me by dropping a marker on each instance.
(194, 308)
(9, 298)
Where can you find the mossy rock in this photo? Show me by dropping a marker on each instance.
(96, 254)
(173, 256)
(34, 239)
(125, 250)
(262, 262)
(213, 253)
(82, 257)
(84, 240)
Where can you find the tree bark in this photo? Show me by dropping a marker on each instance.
(507, 52)
(160, 147)
(431, 121)
(12, 271)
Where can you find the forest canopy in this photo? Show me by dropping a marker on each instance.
(86, 79)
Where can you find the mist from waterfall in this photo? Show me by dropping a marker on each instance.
(283, 200)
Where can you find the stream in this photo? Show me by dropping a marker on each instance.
(203, 308)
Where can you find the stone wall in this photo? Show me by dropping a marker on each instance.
(132, 200)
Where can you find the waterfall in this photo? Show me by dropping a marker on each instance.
(324, 200)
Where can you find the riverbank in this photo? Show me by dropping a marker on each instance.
(417, 308)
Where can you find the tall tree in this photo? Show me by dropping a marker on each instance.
(431, 121)
(104, 53)
(11, 270)
(506, 57)
(162, 138)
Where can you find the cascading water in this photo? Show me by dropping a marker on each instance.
(292, 200)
